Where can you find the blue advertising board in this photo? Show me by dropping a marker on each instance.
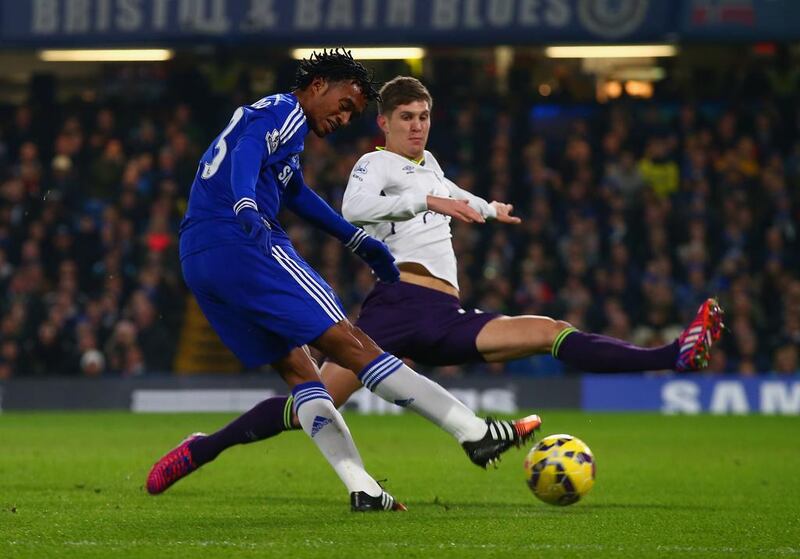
(452, 22)
(669, 394)
(687, 394)
(465, 22)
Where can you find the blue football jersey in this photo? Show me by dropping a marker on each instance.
(275, 126)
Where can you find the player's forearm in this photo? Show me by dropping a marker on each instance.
(245, 166)
(363, 209)
(476, 202)
(308, 205)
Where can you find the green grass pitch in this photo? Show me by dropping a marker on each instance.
(71, 485)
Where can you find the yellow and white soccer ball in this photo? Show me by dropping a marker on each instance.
(560, 469)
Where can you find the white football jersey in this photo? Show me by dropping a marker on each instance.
(387, 195)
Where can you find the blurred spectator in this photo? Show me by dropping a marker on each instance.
(120, 344)
(153, 338)
(92, 363)
(657, 169)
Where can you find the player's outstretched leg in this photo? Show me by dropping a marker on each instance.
(695, 342)
(506, 338)
(173, 466)
(484, 440)
(513, 337)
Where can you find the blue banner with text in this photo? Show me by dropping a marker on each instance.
(452, 22)
(691, 394)
(316, 22)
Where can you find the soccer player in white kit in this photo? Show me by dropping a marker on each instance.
(399, 194)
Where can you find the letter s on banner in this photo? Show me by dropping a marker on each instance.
(680, 396)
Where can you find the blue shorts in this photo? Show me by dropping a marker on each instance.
(262, 307)
(422, 324)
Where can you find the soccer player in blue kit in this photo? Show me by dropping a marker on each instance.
(267, 304)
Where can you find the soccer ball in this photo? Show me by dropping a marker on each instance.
(560, 469)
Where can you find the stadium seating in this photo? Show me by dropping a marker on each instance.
(633, 214)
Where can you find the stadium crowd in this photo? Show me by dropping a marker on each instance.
(633, 213)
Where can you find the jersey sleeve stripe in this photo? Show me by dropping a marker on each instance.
(290, 120)
(295, 127)
(356, 240)
(244, 203)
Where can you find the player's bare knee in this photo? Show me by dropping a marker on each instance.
(561, 325)
(558, 326)
(549, 331)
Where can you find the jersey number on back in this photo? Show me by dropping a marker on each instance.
(221, 148)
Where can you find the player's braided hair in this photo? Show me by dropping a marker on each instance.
(335, 65)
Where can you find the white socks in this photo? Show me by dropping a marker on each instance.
(393, 381)
(326, 427)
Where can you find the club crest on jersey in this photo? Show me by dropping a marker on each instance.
(272, 140)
